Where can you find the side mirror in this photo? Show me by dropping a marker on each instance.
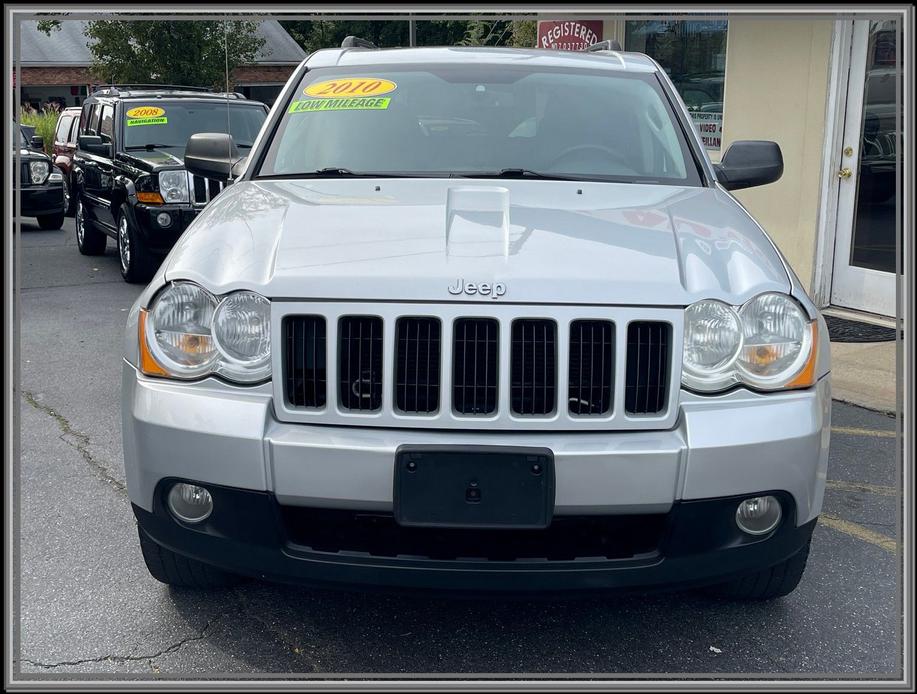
(37, 142)
(211, 155)
(749, 163)
(94, 145)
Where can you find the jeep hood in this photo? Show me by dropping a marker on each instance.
(544, 241)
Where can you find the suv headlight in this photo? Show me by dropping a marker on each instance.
(38, 171)
(188, 333)
(768, 343)
(173, 186)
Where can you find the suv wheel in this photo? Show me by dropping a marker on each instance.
(51, 221)
(89, 240)
(176, 570)
(768, 584)
(137, 263)
(69, 202)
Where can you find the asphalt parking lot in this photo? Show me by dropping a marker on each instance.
(88, 605)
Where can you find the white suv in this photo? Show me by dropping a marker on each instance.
(477, 319)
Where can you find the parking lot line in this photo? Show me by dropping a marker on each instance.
(857, 431)
(859, 532)
(879, 489)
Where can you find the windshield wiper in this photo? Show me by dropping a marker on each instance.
(340, 172)
(517, 173)
(149, 147)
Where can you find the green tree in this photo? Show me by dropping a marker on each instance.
(193, 53)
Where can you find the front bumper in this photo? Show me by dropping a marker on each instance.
(38, 201)
(160, 239)
(734, 445)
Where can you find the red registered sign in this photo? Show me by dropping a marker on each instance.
(569, 35)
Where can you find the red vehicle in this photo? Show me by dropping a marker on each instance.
(65, 133)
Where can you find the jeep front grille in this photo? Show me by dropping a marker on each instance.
(475, 358)
(417, 365)
(360, 363)
(533, 363)
(203, 190)
(304, 360)
(647, 367)
(591, 367)
(480, 366)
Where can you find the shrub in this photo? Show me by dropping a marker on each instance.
(45, 123)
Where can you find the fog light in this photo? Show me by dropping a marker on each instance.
(759, 515)
(190, 503)
(164, 219)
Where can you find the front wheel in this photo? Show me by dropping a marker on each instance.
(768, 584)
(89, 240)
(137, 263)
(69, 202)
(51, 221)
(176, 570)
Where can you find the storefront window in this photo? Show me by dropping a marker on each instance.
(693, 53)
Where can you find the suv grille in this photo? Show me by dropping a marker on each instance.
(203, 190)
(417, 365)
(304, 361)
(534, 363)
(360, 363)
(647, 367)
(591, 390)
(511, 368)
(474, 366)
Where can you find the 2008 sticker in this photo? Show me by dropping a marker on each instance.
(146, 115)
(350, 86)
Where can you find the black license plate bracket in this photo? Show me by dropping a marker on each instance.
(474, 486)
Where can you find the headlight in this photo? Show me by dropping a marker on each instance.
(38, 171)
(713, 338)
(188, 333)
(173, 186)
(778, 341)
(768, 344)
(242, 332)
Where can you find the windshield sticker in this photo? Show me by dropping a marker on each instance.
(146, 115)
(354, 104)
(350, 86)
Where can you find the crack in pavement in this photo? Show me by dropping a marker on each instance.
(127, 658)
(77, 440)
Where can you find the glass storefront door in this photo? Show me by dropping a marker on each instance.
(865, 243)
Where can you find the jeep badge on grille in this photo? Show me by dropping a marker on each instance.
(495, 290)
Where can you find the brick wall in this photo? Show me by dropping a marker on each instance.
(53, 76)
(254, 74)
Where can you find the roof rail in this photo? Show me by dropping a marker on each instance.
(114, 88)
(609, 45)
(357, 42)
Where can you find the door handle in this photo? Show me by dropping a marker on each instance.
(844, 173)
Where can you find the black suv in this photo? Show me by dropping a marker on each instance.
(41, 192)
(129, 174)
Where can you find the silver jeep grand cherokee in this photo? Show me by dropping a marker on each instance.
(477, 319)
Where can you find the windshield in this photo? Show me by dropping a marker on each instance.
(171, 123)
(480, 120)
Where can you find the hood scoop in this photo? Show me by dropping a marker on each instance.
(477, 222)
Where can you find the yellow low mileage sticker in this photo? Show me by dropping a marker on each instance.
(146, 115)
(345, 94)
(350, 86)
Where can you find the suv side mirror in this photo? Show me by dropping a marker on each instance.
(211, 155)
(94, 145)
(749, 163)
(37, 142)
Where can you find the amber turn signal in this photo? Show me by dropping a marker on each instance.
(148, 364)
(150, 198)
(806, 377)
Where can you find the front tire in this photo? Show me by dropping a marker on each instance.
(69, 202)
(137, 263)
(51, 221)
(775, 582)
(176, 570)
(89, 240)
